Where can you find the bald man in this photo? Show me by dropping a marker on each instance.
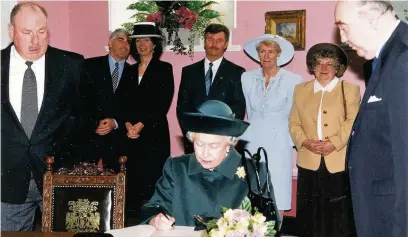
(377, 153)
(39, 112)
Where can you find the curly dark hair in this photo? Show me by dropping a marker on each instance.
(312, 62)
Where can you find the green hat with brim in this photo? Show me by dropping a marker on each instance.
(214, 117)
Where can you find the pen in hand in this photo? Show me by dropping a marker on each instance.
(165, 213)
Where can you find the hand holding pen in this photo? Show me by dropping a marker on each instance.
(163, 221)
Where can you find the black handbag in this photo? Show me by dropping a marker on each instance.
(263, 200)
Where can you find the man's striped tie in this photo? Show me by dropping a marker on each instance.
(115, 76)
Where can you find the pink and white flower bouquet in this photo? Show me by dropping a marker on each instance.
(240, 223)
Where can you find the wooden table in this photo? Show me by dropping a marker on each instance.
(36, 234)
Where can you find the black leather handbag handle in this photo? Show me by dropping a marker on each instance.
(244, 161)
(257, 158)
(255, 161)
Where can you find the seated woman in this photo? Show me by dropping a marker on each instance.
(201, 182)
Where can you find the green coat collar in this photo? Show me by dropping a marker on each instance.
(227, 168)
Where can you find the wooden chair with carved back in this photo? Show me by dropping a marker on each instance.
(85, 199)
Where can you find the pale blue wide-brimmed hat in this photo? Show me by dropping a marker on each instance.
(287, 48)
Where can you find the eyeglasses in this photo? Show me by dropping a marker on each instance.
(320, 64)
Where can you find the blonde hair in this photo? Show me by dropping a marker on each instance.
(231, 140)
(269, 43)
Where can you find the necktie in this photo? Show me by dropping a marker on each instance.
(115, 76)
(208, 78)
(29, 101)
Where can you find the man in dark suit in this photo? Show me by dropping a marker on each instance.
(100, 92)
(213, 78)
(39, 112)
(377, 155)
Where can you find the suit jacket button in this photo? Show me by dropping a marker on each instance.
(326, 137)
(325, 111)
(325, 124)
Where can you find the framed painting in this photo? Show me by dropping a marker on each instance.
(288, 24)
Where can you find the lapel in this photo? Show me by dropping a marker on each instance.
(219, 77)
(313, 103)
(105, 64)
(149, 73)
(385, 55)
(125, 67)
(5, 67)
(51, 68)
(330, 98)
(200, 76)
(388, 51)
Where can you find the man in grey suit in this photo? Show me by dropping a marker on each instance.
(39, 112)
(377, 155)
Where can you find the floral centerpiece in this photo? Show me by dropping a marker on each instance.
(172, 15)
(239, 222)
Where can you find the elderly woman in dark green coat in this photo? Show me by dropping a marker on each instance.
(211, 177)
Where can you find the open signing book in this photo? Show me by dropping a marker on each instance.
(150, 231)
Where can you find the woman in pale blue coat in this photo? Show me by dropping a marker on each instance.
(268, 92)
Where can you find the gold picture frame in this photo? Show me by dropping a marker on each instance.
(289, 24)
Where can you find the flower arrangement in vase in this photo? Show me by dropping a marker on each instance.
(174, 15)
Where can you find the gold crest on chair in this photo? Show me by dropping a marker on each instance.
(84, 199)
(83, 216)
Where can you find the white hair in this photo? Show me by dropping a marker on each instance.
(231, 140)
(377, 6)
(120, 31)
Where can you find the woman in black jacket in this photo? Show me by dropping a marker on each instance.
(143, 111)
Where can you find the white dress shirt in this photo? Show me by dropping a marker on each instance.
(216, 65)
(16, 76)
(317, 88)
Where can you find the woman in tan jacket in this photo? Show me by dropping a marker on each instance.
(320, 122)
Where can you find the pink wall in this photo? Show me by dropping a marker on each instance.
(89, 26)
(83, 27)
(78, 26)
